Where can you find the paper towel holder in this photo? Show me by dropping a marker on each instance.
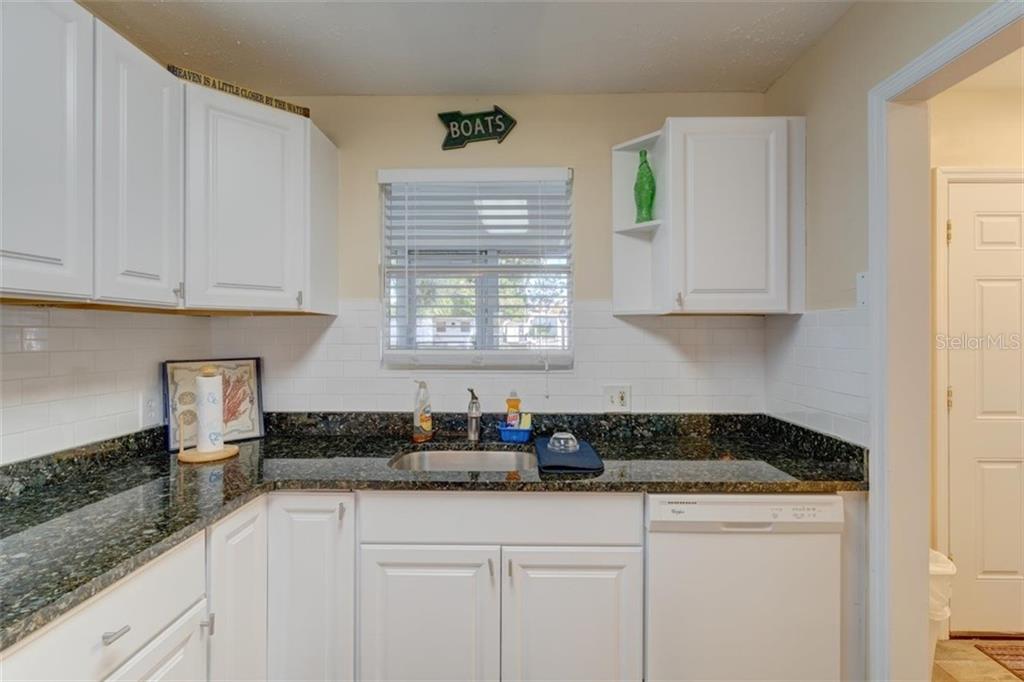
(193, 456)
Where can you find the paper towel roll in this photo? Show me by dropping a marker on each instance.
(210, 411)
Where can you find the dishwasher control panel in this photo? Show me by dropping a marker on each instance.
(744, 512)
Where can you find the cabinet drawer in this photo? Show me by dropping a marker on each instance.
(420, 517)
(145, 602)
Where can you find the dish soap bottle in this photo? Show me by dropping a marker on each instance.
(422, 420)
(512, 404)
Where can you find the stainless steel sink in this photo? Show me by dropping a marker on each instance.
(464, 460)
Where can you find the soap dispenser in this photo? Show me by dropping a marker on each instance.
(422, 419)
(473, 417)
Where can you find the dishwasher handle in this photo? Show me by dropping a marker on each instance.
(746, 526)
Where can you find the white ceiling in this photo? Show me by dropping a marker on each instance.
(392, 48)
(1005, 74)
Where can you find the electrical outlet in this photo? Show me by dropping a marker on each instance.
(151, 412)
(618, 398)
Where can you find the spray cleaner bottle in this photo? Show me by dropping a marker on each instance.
(422, 420)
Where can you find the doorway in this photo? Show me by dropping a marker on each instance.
(901, 270)
(977, 156)
(980, 370)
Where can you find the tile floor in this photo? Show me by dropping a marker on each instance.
(957, 660)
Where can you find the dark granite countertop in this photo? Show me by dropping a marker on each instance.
(73, 523)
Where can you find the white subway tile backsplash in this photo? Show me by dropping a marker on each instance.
(816, 371)
(77, 376)
(336, 364)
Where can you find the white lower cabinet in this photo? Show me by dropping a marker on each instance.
(541, 586)
(177, 653)
(237, 592)
(429, 612)
(108, 634)
(311, 612)
(572, 613)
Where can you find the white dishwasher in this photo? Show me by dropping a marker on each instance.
(743, 587)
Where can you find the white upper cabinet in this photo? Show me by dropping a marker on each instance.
(732, 186)
(97, 201)
(728, 233)
(46, 198)
(249, 201)
(139, 175)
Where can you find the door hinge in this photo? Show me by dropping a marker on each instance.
(209, 624)
(298, 298)
(949, 230)
(179, 291)
(949, 398)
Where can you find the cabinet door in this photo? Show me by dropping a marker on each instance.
(177, 653)
(139, 175)
(429, 612)
(237, 590)
(312, 588)
(734, 209)
(46, 223)
(246, 203)
(572, 613)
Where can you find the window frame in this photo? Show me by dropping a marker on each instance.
(485, 355)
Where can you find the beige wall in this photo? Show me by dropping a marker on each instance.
(829, 84)
(566, 130)
(977, 128)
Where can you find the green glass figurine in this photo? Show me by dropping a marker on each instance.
(643, 190)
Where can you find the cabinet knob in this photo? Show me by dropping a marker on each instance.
(679, 299)
(111, 637)
(341, 511)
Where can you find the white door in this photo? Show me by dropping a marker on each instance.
(246, 203)
(429, 612)
(311, 612)
(572, 613)
(986, 421)
(734, 209)
(46, 222)
(140, 149)
(178, 653)
(237, 591)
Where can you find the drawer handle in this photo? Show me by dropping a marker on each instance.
(111, 637)
(210, 624)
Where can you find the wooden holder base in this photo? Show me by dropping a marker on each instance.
(193, 456)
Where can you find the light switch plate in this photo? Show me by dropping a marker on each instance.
(618, 398)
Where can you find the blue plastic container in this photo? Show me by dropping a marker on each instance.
(514, 435)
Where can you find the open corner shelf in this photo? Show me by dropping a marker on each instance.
(639, 228)
(637, 143)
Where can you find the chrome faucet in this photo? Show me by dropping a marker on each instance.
(473, 418)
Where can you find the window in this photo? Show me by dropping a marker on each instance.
(477, 267)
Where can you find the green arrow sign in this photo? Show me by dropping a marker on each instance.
(485, 125)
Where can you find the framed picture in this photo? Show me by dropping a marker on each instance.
(243, 399)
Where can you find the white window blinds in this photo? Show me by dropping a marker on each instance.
(477, 267)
